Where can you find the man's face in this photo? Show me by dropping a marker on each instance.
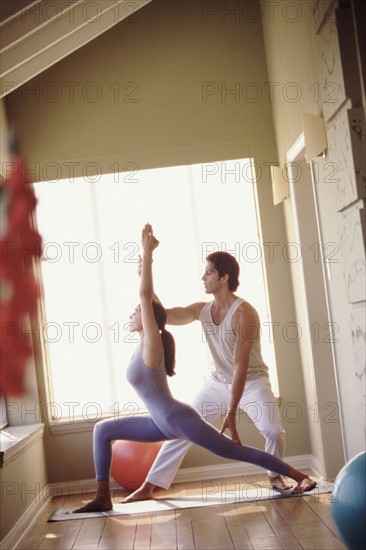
(211, 279)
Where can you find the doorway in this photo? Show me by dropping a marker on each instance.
(319, 332)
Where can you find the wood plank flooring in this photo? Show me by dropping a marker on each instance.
(292, 523)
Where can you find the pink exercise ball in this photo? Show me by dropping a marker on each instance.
(131, 461)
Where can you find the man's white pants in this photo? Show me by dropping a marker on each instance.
(213, 400)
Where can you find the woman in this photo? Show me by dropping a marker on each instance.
(153, 360)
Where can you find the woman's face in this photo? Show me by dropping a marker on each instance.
(136, 321)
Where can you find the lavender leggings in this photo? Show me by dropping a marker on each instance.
(191, 427)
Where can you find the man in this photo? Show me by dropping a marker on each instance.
(238, 374)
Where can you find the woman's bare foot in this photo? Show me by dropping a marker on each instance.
(96, 505)
(145, 492)
(306, 484)
(278, 483)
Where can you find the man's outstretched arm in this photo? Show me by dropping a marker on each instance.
(184, 315)
(178, 315)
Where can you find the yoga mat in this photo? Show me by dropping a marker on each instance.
(195, 501)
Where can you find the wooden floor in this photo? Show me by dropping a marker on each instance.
(291, 523)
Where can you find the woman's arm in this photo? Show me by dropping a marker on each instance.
(139, 269)
(152, 347)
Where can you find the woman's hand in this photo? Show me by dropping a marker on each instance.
(148, 241)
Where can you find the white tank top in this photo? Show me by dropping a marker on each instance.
(221, 340)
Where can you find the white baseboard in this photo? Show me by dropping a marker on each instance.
(234, 469)
(184, 475)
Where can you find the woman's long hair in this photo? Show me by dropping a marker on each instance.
(166, 337)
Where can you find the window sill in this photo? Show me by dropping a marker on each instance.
(14, 440)
(63, 427)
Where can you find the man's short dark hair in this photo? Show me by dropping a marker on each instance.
(226, 264)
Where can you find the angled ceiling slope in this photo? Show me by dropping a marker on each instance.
(43, 32)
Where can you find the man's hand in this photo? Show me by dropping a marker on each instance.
(230, 423)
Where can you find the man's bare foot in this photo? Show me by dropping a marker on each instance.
(306, 484)
(278, 483)
(145, 492)
(96, 505)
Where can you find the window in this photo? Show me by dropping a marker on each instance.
(91, 233)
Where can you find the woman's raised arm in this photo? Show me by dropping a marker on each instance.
(152, 347)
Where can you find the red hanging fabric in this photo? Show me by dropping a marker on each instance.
(19, 244)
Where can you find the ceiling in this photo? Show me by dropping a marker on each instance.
(36, 34)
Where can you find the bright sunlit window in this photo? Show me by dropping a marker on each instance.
(91, 234)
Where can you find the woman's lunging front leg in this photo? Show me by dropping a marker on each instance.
(141, 428)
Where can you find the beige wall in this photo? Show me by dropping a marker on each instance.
(293, 68)
(23, 481)
(307, 52)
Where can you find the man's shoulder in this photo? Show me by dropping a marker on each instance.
(197, 308)
(246, 311)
